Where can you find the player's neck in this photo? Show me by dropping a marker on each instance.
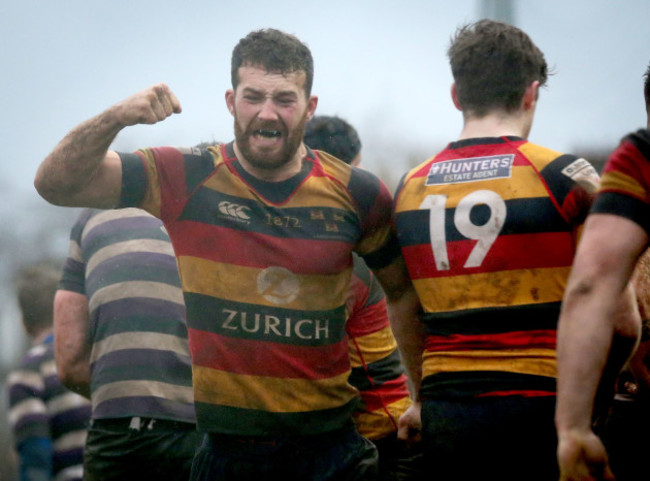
(277, 174)
(496, 124)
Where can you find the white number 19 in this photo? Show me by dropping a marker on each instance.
(485, 234)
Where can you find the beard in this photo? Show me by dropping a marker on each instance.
(269, 158)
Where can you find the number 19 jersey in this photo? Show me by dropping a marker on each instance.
(488, 230)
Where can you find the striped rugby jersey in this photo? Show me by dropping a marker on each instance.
(625, 185)
(265, 268)
(123, 261)
(377, 370)
(41, 407)
(488, 230)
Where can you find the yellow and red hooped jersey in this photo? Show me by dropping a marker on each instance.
(488, 230)
(625, 184)
(377, 370)
(265, 269)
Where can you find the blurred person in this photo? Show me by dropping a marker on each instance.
(121, 339)
(263, 230)
(377, 370)
(47, 420)
(488, 229)
(600, 322)
(335, 136)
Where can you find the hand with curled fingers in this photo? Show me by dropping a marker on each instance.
(149, 106)
(409, 425)
(582, 457)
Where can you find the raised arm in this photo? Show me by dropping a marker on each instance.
(81, 171)
(72, 342)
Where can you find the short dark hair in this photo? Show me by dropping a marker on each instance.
(333, 135)
(274, 50)
(493, 63)
(36, 285)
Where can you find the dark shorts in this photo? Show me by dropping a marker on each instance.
(504, 438)
(398, 461)
(339, 456)
(162, 450)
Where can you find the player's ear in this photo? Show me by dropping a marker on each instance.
(230, 100)
(454, 97)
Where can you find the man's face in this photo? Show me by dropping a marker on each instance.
(270, 110)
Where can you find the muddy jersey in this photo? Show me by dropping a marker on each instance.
(377, 370)
(625, 186)
(265, 268)
(488, 230)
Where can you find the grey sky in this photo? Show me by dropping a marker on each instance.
(381, 64)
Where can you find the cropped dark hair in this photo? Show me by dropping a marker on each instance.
(35, 286)
(493, 63)
(334, 136)
(276, 52)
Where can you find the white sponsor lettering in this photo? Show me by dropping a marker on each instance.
(583, 173)
(273, 326)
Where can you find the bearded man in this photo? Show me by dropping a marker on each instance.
(263, 229)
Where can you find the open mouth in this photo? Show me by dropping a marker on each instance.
(268, 134)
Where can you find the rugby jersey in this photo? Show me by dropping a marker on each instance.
(41, 407)
(123, 261)
(265, 268)
(377, 370)
(488, 230)
(625, 185)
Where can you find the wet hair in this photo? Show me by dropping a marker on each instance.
(35, 286)
(492, 64)
(276, 52)
(334, 136)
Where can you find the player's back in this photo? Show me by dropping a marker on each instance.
(487, 228)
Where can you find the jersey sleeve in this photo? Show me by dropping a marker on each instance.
(378, 245)
(160, 180)
(625, 186)
(572, 182)
(73, 277)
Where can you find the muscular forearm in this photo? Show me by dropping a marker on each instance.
(409, 332)
(77, 158)
(80, 171)
(72, 341)
(404, 309)
(584, 342)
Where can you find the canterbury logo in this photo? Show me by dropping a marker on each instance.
(234, 210)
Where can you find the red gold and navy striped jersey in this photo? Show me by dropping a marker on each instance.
(625, 186)
(377, 370)
(488, 230)
(265, 269)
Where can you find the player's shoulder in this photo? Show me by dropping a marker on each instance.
(560, 167)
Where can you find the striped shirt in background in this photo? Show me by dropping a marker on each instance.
(123, 262)
(40, 407)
